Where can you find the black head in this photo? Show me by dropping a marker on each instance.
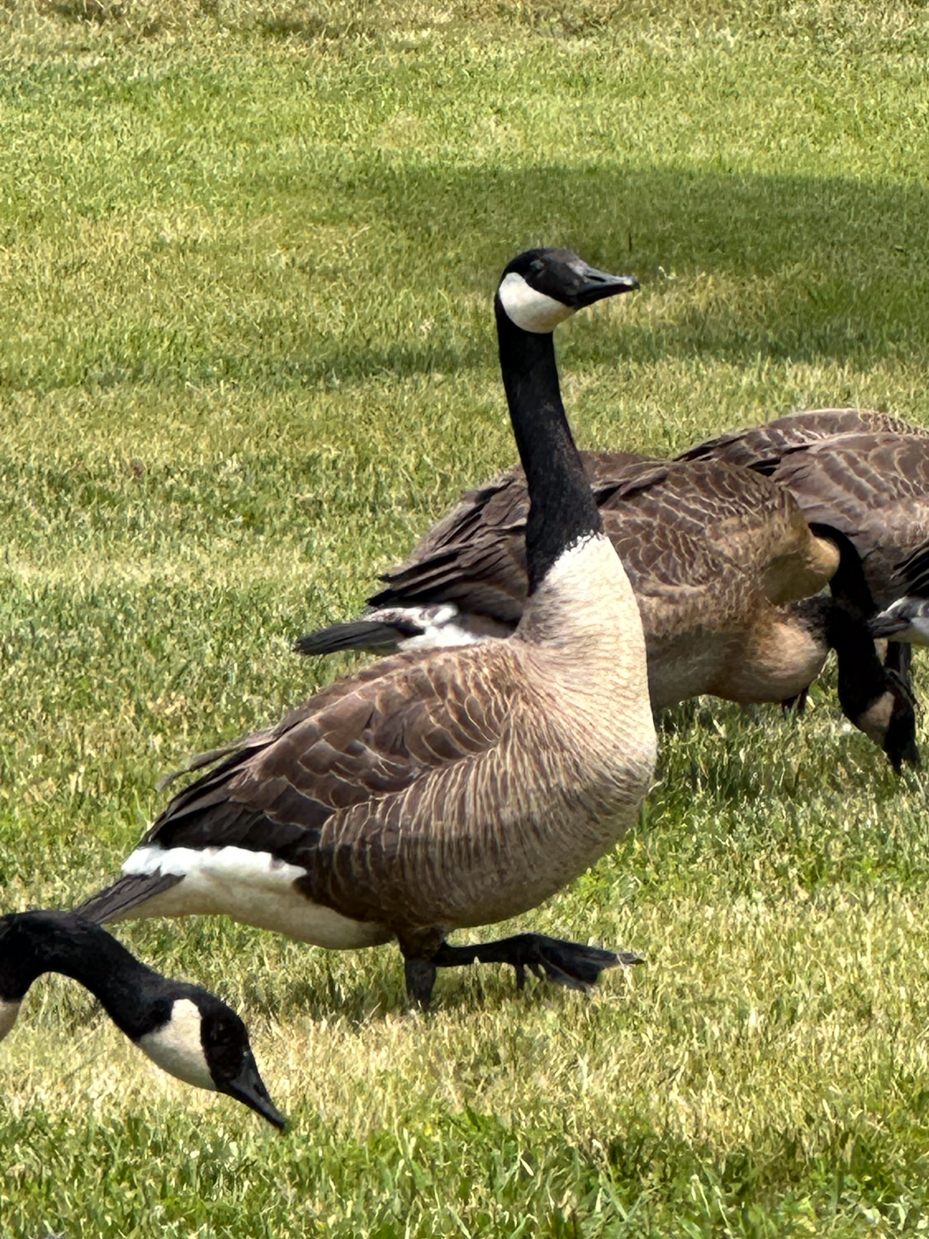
(542, 287)
(203, 1042)
(230, 1060)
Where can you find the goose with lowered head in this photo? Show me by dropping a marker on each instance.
(450, 788)
(186, 1030)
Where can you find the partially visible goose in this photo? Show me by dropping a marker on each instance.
(184, 1029)
(907, 618)
(763, 447)
(724, 567)
(449, 788)
(861, 472)
(711, 552)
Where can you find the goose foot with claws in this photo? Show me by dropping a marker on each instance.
(567, 963)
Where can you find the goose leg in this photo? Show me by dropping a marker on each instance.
(568, 963)
(420, 980)
(796, 705)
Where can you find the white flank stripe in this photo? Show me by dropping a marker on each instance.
(253, 887)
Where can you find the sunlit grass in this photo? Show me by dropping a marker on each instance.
(246, 356)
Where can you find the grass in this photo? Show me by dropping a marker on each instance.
(246, 355)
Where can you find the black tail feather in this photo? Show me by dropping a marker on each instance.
(357, 635)
(124, 895)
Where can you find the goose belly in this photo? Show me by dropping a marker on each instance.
(255, 888)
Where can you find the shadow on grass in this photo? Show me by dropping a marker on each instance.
(739, 265)
(734, 267)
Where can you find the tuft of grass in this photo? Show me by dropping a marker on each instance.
(246, 357)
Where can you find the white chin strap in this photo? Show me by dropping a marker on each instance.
(528, 308)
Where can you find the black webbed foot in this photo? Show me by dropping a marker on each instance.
(567, 963)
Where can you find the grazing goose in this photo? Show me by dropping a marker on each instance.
(185, 1030)
(449, 788)
(724, 568)
(863, 473)
(907, 618)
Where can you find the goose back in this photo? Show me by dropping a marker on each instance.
(762, 447)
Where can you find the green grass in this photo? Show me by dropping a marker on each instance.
(246, 355)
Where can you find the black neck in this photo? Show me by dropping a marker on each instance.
(33, 943)
(561, 508)
(848, 586)
(862, 678)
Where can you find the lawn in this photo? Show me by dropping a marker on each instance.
(246, 356)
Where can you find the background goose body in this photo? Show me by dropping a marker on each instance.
(866, 475)
(447, 788)
(711, 551)
(863, 473)
(763, 447)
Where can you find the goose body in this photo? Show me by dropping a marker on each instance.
(718, 557)
(448, 788)
(763, 447)
(863, 473)
(186, 1030)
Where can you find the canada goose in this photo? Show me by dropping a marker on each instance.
(184, 1029)
(907, 618)
(723, 565)
(863, 473)
(447, 788)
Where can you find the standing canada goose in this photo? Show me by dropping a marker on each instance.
(450, 788)
(184, 1029)
(724, 567)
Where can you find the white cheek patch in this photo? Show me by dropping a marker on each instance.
(176, 1046)
(8, 1014)
(528, 308)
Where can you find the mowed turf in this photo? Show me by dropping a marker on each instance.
(246, 357)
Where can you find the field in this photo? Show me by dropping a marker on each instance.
(246, 356)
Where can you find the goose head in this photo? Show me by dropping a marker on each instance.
(905, 620)
(183, 1028)
(542, 287)
(203, 1042)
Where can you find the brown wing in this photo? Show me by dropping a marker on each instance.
(872, 487)
(738, 516)
(357, 742)
(673, 524)
(475, 556)
(762, 447)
